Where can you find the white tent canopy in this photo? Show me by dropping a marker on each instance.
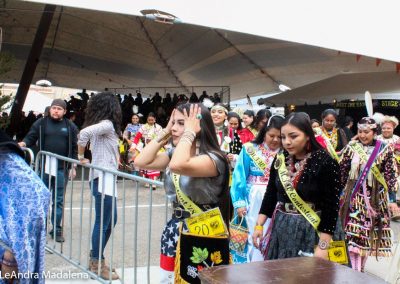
(360, 27)
(36, 102)
(97, 50)
(342, 87)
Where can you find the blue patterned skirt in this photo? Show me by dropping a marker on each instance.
(24, 202)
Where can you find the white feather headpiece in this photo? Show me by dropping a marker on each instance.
(378, 117)
(208, 103)
(390, 119)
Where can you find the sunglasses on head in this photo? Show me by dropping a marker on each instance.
(275, 115)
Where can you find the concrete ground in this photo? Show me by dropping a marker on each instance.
(77, 243)
(145, 258)
(387, 268)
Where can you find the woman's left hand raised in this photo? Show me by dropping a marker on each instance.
(192, 120)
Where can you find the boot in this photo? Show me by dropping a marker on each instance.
(104, 272)
(103, 264)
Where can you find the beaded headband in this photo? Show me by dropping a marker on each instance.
(368, 124)
(219, 107)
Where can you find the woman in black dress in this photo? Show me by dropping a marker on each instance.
(314, 175)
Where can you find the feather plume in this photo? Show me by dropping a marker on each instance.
(208, 103)
(378, 117)
(250, 103)
(368, 104)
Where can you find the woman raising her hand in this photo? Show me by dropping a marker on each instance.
(202, 168)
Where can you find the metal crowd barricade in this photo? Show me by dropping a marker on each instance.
(128, 238)
(29, 156)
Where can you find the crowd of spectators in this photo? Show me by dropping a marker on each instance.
(130, 104)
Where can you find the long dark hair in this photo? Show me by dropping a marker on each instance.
(315, 121)
(261, 114)
(104, 106)
(275, 122)
(347, 121)
(301, 120)
(209, 144)
(249, 112)
(235, 115)
(151, 114)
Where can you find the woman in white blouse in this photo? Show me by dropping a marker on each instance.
(102, 127)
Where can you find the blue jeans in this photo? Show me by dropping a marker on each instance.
(105, 231)
(57, 197)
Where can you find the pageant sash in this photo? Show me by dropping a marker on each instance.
(370, 164)
(360, 151)
(183, 198)
(329, 146)
(291, 192)
(259, 161)
(254, 131)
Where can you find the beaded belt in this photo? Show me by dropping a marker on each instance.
(290, 208)
(180, 213)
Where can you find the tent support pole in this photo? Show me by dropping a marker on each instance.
(30, 67)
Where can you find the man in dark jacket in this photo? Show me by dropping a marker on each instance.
(55, 134)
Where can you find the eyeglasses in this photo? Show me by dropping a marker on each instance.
(276, 115)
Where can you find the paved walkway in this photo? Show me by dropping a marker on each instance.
(77, 239)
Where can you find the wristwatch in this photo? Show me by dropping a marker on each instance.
(324, 245)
